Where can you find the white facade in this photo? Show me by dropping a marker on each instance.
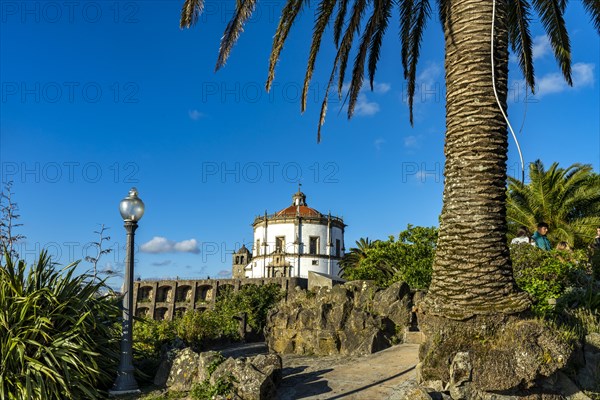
(294, 241)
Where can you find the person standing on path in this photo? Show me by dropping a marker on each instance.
(539, 237)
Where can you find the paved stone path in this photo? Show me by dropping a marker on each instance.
(371, 377)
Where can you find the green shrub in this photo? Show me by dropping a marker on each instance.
(197, 327)
(549, 275)
(56, 332)
(409, 258)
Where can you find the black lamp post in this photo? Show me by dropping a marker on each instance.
(132, 209)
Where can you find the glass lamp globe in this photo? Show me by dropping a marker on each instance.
(132, 207)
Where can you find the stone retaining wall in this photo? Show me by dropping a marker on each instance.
(165, 299)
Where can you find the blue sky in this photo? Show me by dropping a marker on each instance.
(99, 96)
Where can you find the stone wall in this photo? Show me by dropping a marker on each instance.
(160, 300)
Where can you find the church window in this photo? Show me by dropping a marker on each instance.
(279, 243)
(258, 247)
(337, 247)
(313, 247)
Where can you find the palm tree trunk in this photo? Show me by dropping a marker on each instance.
(472, 274)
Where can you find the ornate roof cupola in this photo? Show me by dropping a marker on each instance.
(299, 198)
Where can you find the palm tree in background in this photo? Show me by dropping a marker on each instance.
(568, 199)
(472, 274)
(353, 258)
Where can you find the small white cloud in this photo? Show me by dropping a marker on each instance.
(430, 75)
(380, 88)
(540, 46)
(582, 74)
(364, 107)
(224, 273)
(187, 246)
(161, 263)
(159, 244)
(195, 115)
(411, 141)
(378, 143)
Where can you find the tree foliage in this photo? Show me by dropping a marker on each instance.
(408, 258)
(568, 199)
(56, 332)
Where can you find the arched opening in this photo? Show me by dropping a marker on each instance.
(161, 313)
(164, 294)
(184, 294)
(144, 294)
(204, 293)
(142, 312)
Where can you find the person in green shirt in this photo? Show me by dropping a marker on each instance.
(539, 237)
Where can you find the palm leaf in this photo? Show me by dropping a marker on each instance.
(359, 61)
(593, 8)
(344, 50)
(377, 39)
(551, 15)
(324, 12)
(233, 29)
(339, 21)
(190, 12)
(288, 16)
(421, 13)
(520, 38)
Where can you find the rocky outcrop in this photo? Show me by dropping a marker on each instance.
(351, 319)
(253, 378)
(589, 375)
(184, 371)
(499, 354)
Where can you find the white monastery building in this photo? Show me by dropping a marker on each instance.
(292, 242)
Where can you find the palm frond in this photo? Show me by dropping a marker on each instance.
(551, 15)
(233, 29)
(593, 8)
(190, 12)
(520, 39)
(358, 72)
(377, 39)
(288, 16)
(344, 50)
(339, 21)
(421, 13)
(324, 12)
(406, 17)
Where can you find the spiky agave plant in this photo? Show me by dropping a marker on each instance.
(56, 334)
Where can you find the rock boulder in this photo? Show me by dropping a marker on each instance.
(352, 319)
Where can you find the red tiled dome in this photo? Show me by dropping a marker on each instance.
(304, 211)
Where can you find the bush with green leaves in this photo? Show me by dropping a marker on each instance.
(57, 336)
(196, 328)
(551, 274)
(409, 258)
